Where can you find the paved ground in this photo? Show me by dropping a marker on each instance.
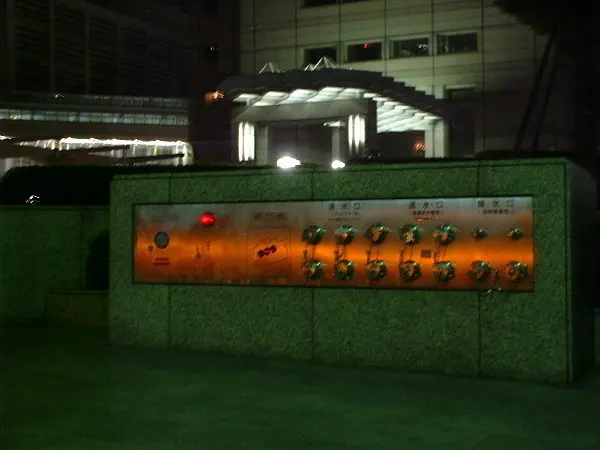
(67, 390)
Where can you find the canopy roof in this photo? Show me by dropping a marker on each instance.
(399, 107)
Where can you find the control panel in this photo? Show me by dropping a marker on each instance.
(456, 243)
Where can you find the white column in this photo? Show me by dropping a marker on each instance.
(357, 134)
(436, 140)
(246, 138)
(336, 144)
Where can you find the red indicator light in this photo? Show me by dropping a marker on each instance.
(366, 46)
(207, 219)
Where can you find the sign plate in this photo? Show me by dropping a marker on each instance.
(454, 243)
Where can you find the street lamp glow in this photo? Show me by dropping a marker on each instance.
(337, 164)
(287, 162)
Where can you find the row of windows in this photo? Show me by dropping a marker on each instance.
(210, 8)
(100, 100)
(446, 44)
(124, 59)
(86, 117)
(312, 3)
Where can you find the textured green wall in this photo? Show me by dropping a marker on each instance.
(526, 336)
(42, 249)
(139, 315)
(428, 331)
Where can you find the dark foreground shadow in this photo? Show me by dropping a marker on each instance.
(69, 389)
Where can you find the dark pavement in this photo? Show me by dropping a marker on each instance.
(68, 389)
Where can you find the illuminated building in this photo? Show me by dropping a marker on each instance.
(96, 71)
(467, 54)
(150, 126)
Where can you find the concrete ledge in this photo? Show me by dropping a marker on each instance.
(77, 308)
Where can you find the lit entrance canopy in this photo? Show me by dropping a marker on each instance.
(399, 107)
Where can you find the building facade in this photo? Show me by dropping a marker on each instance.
(112, 70)
(465, 51)
(85, 47)
(150, 126)
(216, 24)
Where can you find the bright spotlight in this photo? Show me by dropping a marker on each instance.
(287, 162)
(337, 164)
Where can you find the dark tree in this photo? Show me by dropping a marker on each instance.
(576, 36)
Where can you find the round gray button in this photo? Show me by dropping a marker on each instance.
(162, 239)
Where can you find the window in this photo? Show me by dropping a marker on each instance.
(153, 119)
(313, 55)
(311, 3)
(211, 7)
(408, 48)
(463, 94)
(211, 53)
(369, 51)
(457, 43)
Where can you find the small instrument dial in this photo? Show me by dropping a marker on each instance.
(410, 234)
(313, 235)
(409, 271)
(377, 233)
(376, 270)
(516, 271)
(444, 271)
(479, 233)
(480, 271)
(515, 234)
(445, 234)
(344, 270)
(344, 235)
(313, 270)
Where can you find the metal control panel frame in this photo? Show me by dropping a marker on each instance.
(478, 243)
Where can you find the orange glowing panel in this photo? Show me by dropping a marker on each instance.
(464, 243)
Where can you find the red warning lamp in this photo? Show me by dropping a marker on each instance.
(207, 219)
(365, 45)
